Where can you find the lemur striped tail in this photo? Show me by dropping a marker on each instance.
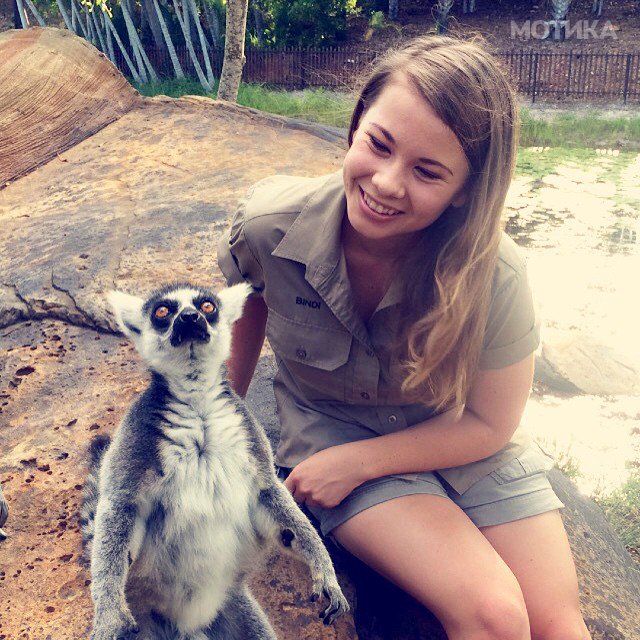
(97, 448)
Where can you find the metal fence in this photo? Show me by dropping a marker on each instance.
(547, 75)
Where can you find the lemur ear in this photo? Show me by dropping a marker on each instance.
(128, 312)
(232, 300)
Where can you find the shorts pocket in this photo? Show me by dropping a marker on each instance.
(530, 462)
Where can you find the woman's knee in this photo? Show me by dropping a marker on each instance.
(493, 615)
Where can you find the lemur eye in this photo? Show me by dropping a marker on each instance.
(161, 312)
(207, 306)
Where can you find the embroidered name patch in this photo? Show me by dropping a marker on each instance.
(314, 304)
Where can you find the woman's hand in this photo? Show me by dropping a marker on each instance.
(326, 478)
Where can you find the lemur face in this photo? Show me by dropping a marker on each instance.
(180, 324)
(185, 315)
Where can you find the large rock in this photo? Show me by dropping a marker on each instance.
(574, 361)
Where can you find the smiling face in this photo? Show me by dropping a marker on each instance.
(403, 169)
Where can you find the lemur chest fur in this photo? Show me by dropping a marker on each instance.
(204, 453)
(207, 481)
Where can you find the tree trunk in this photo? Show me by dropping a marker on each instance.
(138, 49)
(393, 9)
(36, 14)
(23, 16)
(98, 30)
(203, 41)
(192, 53)
(125, 55)
(233, 50)
(65, 16)
(257, 18)
(560, 8)
(167, 38)
(76, 12)
(111, 53)
(441, 10)
(154, 25)
(213, 22)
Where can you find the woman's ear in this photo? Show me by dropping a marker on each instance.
(461, 198)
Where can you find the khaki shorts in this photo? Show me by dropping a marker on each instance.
(518, 489)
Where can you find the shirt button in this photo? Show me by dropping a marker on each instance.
(365, 395)
(301, 353)
(392, 419)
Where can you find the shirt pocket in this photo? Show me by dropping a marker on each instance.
(316, 357)
(530, 462)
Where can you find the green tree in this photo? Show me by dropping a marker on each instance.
(307, 23)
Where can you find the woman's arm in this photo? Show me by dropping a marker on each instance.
(492, 413)
(246, 344)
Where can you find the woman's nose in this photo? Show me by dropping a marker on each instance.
(389, 182)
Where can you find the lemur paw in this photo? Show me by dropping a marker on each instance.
(329, 587)
(115, 625)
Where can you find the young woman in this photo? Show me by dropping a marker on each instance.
(404, 330)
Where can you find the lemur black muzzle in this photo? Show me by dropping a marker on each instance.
(189, 326)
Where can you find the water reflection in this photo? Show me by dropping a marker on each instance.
(578, 227)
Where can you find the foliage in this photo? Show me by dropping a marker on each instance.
(306, 23)
(622, 509)
(377, 20)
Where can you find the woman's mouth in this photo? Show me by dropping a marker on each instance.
(375, 208)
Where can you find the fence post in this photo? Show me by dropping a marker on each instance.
(569, 72)
(304, 57)
(535, 76)
(625, 92)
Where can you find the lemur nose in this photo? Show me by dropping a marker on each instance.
(189, 315)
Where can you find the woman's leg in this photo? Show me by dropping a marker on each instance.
(537, 551)
(427, 546)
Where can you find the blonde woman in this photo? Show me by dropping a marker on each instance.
(404, 330)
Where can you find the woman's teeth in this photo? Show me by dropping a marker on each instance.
(378, 208)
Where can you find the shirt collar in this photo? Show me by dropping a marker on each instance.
(314, 237)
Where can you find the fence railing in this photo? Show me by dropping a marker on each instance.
(538, 74)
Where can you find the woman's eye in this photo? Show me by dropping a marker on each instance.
(161, 312)
(207, 307)
(377, 145)
(423, 173)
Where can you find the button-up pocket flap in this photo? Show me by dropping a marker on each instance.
(531, 461)
(307, 344)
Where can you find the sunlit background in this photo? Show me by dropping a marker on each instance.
(576, 219)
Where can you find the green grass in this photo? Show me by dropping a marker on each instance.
(315, 105)
(575, 131)
(590, 130)
(622, 509)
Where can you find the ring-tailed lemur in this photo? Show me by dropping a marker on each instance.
(184, 501)
(4, 514)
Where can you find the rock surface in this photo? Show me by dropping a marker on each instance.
(575, 360)
(141, 202)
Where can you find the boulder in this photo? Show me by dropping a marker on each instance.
(572, 361)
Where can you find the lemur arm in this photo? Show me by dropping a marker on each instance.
(114, 526)
(297, 534)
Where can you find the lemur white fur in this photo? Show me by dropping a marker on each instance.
(184, 501)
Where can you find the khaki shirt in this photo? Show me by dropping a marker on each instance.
(335, 381)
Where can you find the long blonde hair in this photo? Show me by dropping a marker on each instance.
(448, 278)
